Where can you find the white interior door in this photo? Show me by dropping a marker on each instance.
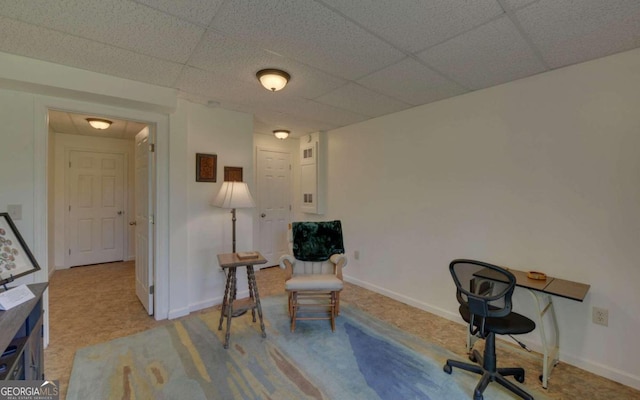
(144, 220)
(95, 210)
(274, 203)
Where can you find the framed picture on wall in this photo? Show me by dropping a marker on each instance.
(233, 174)
(206, 167)
(16, 259)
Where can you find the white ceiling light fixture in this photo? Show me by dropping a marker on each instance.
(99, 123)
(281, 133)
(273, 79)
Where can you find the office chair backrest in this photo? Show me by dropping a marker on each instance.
(484, 288)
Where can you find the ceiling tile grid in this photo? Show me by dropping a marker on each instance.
(412, 82)
(358, 99)
(492, 54)
(349, 60)
(416, 25)
(28, 40)
(306, 31)
(238, 60)
(199, 12)
(569, 32)
(120, 23)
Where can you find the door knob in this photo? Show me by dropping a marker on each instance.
(119, 212)
(132, 223)
(263, 215)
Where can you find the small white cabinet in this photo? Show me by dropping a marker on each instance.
(313, 151)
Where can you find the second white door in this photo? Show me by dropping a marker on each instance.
(274, 208)
(95, 211)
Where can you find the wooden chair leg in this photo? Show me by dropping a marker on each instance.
(332, 311)
(294, 310)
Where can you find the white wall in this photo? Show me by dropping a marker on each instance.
(539, 174)
(62, 145)
(17, 166)
(229, 135)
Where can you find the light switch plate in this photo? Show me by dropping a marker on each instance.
(15, 211)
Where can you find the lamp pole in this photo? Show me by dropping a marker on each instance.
(233, 223)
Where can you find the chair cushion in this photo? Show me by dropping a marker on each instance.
(314, 282)
(513, 323)
(317, 241)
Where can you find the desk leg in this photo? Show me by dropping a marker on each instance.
(550, 351)
(232, 290)
(252, 284)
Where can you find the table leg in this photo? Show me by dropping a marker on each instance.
(252, 278)
(225, 301)
(232, 290)
(551, 352)
(251, 293)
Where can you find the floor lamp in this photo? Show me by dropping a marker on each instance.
(233, 195)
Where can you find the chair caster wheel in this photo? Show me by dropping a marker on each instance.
(519, 378)
(447, 369)
(472, 357)
(477, 396)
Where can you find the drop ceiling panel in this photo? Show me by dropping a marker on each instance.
(226, 56)
(199, 12)
(36, 42)
(489, 55)
(307, 32)
(416, 25)
(122, 24)
(411, 82)
(515, 4)
(569, 32)
(220, 88)
(361, 100)
(349, 60)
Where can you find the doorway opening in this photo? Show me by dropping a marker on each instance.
(101, 195)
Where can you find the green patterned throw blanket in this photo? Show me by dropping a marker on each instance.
(317, 241)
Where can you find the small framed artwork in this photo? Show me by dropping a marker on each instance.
(206, 167)
(16, 259)
(233, 174)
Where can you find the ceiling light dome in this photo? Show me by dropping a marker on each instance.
(281, 133)
(99, 123)
(273, 79)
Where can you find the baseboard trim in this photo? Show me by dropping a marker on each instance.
(587, 365)
(214, 301)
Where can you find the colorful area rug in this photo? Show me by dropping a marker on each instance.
(363, 359)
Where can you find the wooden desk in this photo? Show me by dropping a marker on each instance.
(230, 305)
(21, 339)
(542, 291)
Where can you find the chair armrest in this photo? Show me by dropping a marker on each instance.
(287, 262)
(340, 261)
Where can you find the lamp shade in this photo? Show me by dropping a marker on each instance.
(233, 195)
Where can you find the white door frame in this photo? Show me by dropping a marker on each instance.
(42, 104)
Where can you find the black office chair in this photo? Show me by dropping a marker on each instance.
(488, 313)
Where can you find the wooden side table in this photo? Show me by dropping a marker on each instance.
(230, 304)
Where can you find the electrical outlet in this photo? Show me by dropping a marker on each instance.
(356, 254)
(600, 316)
